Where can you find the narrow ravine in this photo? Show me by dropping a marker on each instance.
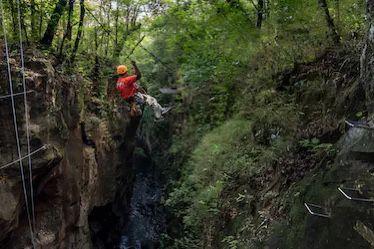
(146, 217)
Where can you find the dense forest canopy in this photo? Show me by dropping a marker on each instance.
(256, 80)
(111, 29)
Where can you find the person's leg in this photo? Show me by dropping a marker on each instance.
(152, 102)
(134, 108)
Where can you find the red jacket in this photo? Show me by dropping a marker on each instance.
(127, 86)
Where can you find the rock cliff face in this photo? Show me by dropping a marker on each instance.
(82, 172)
(353, 168)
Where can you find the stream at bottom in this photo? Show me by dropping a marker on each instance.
(146, 219)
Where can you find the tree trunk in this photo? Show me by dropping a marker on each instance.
(116, 29)
(13, 16)
(80, 30)
(23, 25)
(367, 60)
(68, 32)
(41, 13)
(122, 41)
(130, 27)
(108, 23)
(33, 20)
(330, 22)
(337, 6)
(53, 23)
(69, 26)
(260, 13)
(96, 68)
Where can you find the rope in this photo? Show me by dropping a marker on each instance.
(15, 95)
(26, 113)
(24, 157)
(15, 125)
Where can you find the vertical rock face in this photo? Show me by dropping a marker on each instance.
(83, 165)
(367, 58)
(351, 224)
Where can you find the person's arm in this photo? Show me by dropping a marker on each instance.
(142, 90)
(120, 86)
(136, 70)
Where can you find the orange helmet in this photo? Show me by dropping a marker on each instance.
(121, 69)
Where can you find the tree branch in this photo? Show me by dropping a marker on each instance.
(254, 5)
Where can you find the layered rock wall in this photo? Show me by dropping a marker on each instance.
(84, 164)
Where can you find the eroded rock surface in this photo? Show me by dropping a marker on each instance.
(83, 165)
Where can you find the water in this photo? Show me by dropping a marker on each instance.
(125, 243)
(146, 220)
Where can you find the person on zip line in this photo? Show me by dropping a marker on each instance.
(134, 94)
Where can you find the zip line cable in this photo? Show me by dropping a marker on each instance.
(15, 125)
(136, 45)
(97, 20)
(26, 113)
(156, 57)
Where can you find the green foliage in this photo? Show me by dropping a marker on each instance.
(220, 152)
(316, 146)
(231, 241)
(235, 123)
(227, 151)
(228, 121)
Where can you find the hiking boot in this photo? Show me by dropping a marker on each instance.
(165, 110)
(160, 112)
